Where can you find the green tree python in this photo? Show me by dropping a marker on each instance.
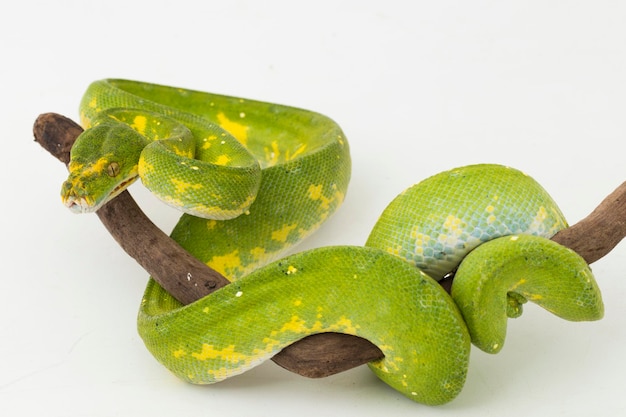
(255, 178)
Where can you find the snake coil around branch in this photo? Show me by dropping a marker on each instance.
(318, 355)
(488, 224)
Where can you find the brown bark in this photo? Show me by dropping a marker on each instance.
(599, 232)
(188, 279)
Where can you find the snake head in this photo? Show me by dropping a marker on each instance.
(103, 163)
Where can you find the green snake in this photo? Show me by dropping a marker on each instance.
(255, 178)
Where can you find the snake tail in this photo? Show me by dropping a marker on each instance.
(495, 279)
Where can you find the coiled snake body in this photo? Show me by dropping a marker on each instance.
(256, 178)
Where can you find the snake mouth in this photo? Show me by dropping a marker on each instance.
(80, 201)
(120, 188)
(79, 204)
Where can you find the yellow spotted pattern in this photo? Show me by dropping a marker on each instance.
(255, 178)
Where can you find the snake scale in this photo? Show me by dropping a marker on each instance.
(255, 178)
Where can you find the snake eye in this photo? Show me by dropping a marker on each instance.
(113, 169)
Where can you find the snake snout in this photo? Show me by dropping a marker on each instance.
(76, 198)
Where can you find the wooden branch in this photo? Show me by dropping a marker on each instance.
(188, 279)
(598, 233)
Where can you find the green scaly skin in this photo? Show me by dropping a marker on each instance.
(355, 290)
(511, 270)
(275, 174)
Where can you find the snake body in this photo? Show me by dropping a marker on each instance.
(255, 178)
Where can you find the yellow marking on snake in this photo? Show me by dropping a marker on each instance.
(226, 264)
(454, 226)
(541, 216)
(139, 124)
(258, 252)
(184, 186)
(299, 151)
(238, 130)
(272, 155)
(522, 281)
(210, 352)
(282, 234)
(295, 325)
(315, 191)
(223, 160)
(207, 142)
(298, 325)
(395, 250)
(145, 167)
(96, 168)
(345, 325)
(179, 353)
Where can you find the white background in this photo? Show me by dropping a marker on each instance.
(418, 87)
